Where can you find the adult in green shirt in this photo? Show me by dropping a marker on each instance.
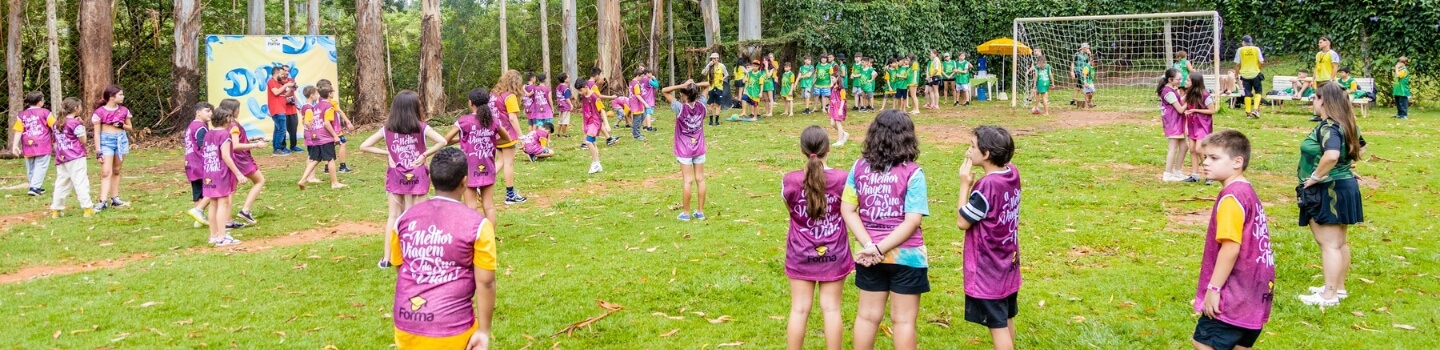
(1401, 91)
(1329, 196)
(822, 77)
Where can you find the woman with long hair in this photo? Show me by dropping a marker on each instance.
(1328, 195)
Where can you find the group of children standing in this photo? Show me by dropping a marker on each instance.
(1186, 116)
(830, 79)
(39, 135)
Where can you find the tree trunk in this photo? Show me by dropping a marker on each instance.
(611, 38)
(545, 43)
(710, 12)
(287, 17)
(52, 40)
(13, 72)
(255, 23)
(187, 63)
(670, 21)
(750, 28)
(657, 15)
(567, 19)
(312, 18)
(370, 92)
(504, 42)
(97, 38)
(432, 92)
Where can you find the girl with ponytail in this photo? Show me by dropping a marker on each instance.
(817, 251)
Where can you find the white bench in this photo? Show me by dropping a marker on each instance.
(1212, 83)
(1366, 85)
(1280, 83)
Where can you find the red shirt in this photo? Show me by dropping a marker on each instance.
(275, 98)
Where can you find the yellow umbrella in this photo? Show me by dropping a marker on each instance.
(1002, 47)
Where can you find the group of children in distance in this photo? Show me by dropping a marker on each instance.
(39, 135)
(1186, 115)
(1082, 69)
(831, 79)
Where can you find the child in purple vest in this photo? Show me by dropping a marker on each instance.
(563, 104)
(1237, 271)
(194, 167)
(817, 251)
(70, 173)
(647, 95)
(218, 169)
(536, 144)
(1173, 123)
(30, 138)
(506, 109)
(1199, 121)
(447, 259)
(406, 140)
(991, 221)
(690, 142)
(885, 199)
(592, 113)
(320, 135)
(838, 114)
(342, 124)
(537, 103)
(477, 133)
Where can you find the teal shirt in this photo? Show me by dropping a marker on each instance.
(1042, 75)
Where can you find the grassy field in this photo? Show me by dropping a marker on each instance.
(1110, 253)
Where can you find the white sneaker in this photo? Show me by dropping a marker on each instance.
(1342, 294)
(595, 167)
(1170, 177)
(1317, 300)
(197, 215)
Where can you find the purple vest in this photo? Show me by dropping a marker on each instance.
(1248, 294)
(992, 246)
(243, 160)
(539, 107)
(816, 249)
(219, 181)
(478, 142)
(109, 117)
(647, 91)
(881, 197)
(562, 102)
(528, 101)
(637, 105)
(405, 149)
(502, 114)
(35, 140)
(1167, 110)
(67, 145)
(316, 133)
(534, 141)
(436, 280)
(690, 130)
(589, 111)
(193, 167)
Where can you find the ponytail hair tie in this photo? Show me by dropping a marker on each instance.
(812, 155)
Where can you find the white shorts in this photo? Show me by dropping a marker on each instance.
(700, 159)
(1089, 89)
(963, 87)
(563, 119)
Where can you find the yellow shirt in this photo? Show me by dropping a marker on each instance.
(1325, 66)
(1250, 59)
(717, 76)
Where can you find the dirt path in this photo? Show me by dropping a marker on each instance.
(348, 229)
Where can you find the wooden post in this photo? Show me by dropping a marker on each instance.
(545, 45)
(610, 35)
(670, 21)
(287, 17)
(13, 73)
(97, 38)
(656, 15)
(710, 13)
(504, 41)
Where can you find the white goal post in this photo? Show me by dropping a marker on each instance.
(1129, 51)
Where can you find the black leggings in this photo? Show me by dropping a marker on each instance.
(291, 124)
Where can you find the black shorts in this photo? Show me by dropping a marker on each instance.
(936, 81)
(1223, 336)
(892, 278)
(902, 93)
(716, 97)
(196, 191)
(1330, 203)
(321, 153)
(1252, 85)
(992, 313)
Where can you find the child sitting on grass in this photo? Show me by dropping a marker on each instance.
(536, 144)
(1237, 271)
(991, 221)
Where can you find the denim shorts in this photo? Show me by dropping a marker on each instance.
(114, 144)
(700, 159)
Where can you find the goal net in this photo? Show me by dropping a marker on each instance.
(1129, 54)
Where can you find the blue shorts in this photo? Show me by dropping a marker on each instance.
(749, 100)
(546, 121)
(822, 92)
(700, 159)
(649, 110)
(114, 144)
(590, 138)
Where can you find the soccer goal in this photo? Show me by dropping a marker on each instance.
(1129, 54)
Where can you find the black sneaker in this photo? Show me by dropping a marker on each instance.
(234, 225)
(532, 157)
(101, 206)
(611, 141)
(345, 168)
(116, 202)
(1191, 179)
(33, 192)
(514, 198)
(41, 189)
(247, 216)
(584, 147)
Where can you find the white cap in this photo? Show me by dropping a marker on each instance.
(1084, 45)
(714, 55)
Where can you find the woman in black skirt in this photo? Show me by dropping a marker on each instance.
(1329, 195)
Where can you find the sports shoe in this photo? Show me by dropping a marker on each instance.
(683, 217)
(55, 214)
(89, 212)
(247, 216)
(698, 216)
(346, 169)
(1342, 294)
(101, 206)
(640, 138)
(584, 147)
(1170, 177)
(532, 157)
(611, 141)
(226, 241)
(514, 198)
(595, 167)
(384, 264)
(1191, 179)
(281, 152)
(234, 225)
(1317, 300)
(197, 215)
(296, 149)
(116, 202)
(33, 192)
(41, 189)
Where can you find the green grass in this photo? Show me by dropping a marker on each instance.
(1106, 263)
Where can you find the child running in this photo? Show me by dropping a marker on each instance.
(240, 145)
(31, 138)
(817, 251)
(477, 134)
(1201, 107)
(505, 106)
(445, 286)
(406, 141)
(70, 173)
(1236, 287)
(595, 123)
(991, 221)
(194, 164)
(562, 103)
(112, 141)
(689, 142)
(320, 135)
(1041, 71)
(1171, 104)
(884, 201)
(837, 116)
(219, 170)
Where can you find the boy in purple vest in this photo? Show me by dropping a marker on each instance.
(30, 138)
(447, 260)
(194, 164)
(1237, 273)
(70, 173)
(991, 221)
